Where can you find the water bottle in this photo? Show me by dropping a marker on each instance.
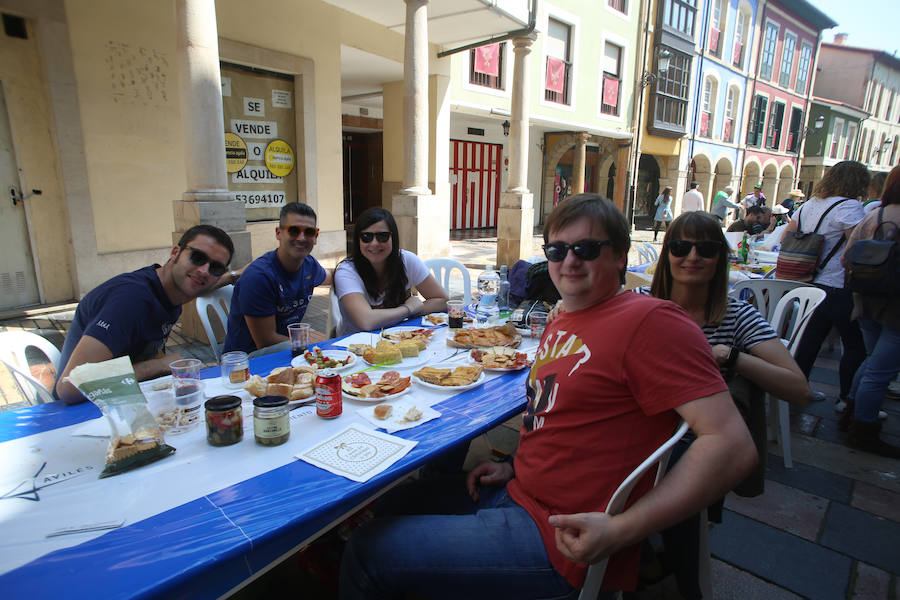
(503, 294)
(744, 250)
(488, 289)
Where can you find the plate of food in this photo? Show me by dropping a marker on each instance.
(409, 352)
(405, 332)
(403, 414)
(338, 360)
(435, 319)
(485, 337)
(297, 384)
(458, 379)
(500, 358)
(360, 386)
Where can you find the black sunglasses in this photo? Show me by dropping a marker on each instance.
(583, 249)
(706, 248)
(368, 236)
(199, 258)
(309, 232)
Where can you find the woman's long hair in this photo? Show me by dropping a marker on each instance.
(847, 178)
(395, 288)
(696, 225)
(891, 193)
(666, 192)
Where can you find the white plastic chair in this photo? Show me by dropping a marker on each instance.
(13, 354)
(766, 293)
(792, 313)
(643, 255)
(442, 267)
(652, 251)
(219, 301)
(616, 504)
(334, 314)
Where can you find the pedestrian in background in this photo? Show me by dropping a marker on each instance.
(663, 206)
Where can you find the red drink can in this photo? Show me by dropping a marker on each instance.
(328, 394)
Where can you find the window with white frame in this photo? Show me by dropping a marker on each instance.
(612, 74)
(557, 44)
(708, 107)
(803, 68)
(768, 51)
(787, 59)
(741, 33)
(837, 138)
(730, 111)
(486, 64)
(717, 27)
(848, 143)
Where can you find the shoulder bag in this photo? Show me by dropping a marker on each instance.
(873, 266)
(798, 259)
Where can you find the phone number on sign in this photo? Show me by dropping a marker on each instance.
(261, 199)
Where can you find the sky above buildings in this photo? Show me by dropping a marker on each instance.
(869, 23)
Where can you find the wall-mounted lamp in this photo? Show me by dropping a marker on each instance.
(883, 148)
(506, 128)
(817, 125)
(663, 58)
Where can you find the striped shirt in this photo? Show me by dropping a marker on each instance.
(743, 327)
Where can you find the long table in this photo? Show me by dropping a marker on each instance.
(216, 541)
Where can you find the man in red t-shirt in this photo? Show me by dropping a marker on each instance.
(611, 378)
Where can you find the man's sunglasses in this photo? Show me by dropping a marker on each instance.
(309, 232)
(199, 258)
(706, 248)
(583, 249)
(368, 236)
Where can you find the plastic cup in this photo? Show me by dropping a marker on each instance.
(455, 313)
(187, 391)
(537, 322)
(235, 369)
(299, 334)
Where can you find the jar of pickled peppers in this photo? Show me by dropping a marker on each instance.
(224, 421)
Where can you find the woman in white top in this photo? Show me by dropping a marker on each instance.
(373, 283)
(846, 181)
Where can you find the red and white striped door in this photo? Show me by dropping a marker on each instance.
(475, 179)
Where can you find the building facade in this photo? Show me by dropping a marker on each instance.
(832, 136)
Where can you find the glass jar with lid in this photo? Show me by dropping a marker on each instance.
(271, 422)
(224, 421)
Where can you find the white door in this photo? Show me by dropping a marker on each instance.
(18, 286)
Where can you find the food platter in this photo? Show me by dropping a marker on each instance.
(434, 320)
(410, 361)
(300, 361)
(387, 382)
(406, 331)
(516, 361)
(485, 337)
(451, 388)
(388, 398)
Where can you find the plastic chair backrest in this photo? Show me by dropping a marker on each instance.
(766, 293)
(334, 314)
(654, 254)
(220, 302)
(644, 256)
(442, 267)
(13, 354)
(616, 504)
(797, 306)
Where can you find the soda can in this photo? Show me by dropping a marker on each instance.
(328, 394)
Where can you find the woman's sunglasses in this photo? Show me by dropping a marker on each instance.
(706, 248)
(368, 236)
(199, 258)
(309, 232)
(583, 249)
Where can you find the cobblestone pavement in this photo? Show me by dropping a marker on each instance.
(828, 528)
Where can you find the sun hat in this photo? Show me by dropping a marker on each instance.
(779, 210)
(797, 193)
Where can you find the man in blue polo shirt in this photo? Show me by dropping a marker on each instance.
(274, 290)
(133, 313)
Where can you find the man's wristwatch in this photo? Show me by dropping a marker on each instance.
(234, 276)
(732, 358)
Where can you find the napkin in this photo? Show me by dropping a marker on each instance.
(357, 453)
(396, 422)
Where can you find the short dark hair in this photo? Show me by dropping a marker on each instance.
(304, 210)
(212, 231)
(695, 184)
(696, 225)
(755, 210)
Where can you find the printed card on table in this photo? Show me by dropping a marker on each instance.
(356, 453)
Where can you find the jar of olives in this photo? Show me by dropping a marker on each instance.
(271, 423)
(224, 421)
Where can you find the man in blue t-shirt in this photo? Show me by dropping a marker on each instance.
(133, 313)
(274, 290)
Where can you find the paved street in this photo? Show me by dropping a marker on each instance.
(828, 528)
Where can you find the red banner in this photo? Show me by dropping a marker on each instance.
(556, 75)
(726, 133)
(714, 40)
(738, 53)
(610, 91)
(704, 124)
(487, 60)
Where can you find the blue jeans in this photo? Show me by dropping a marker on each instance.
(489, 549)
(875, 374)
(834, 311)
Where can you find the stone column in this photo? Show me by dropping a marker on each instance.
(515, 218)
(206, 199)
(578, 166)
(415, 100)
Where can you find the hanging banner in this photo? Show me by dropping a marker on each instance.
(610, 91)
(487, 60)
(556, 75)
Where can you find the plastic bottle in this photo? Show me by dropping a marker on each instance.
(488, 289)
(745, 249)
(503, 294)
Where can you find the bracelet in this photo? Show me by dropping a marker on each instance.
(408, 310)
(234, 276)
(732, 358)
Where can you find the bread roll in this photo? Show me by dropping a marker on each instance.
(383, 411)
(279, 389)
(281, 375)
(256, 385)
